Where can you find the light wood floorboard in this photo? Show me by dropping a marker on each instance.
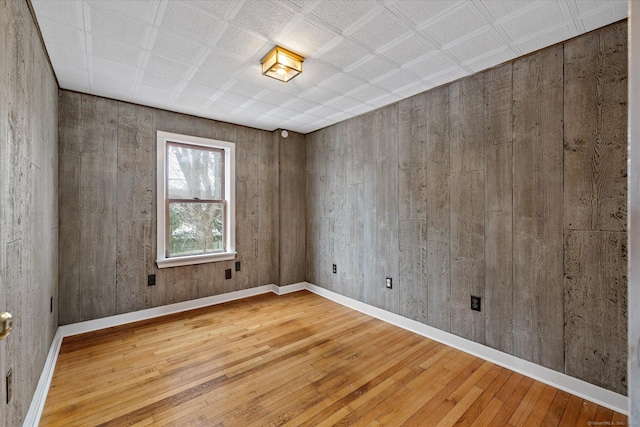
(294, 360)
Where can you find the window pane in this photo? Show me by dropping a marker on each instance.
(194, 173)
(195, 228)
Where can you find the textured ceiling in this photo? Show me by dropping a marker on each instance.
(202, 57)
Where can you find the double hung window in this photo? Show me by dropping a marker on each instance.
(196, 195)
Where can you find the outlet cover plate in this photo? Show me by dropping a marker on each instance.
(476, 303)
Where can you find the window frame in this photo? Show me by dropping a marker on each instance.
(163, 140)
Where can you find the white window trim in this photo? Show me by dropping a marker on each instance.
(230, 192)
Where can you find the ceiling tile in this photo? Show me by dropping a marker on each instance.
(490, 59)
(538, 19)
(266, 17)
(191, 102)
(161, 65)
(72, 78)
(69, 37)
(202, 57)
(316, 71)
(306, 38)
(368, 92)
(233, 98)
(373, 68)
(189, 23)
(344, 54)
(409, 49)
(343, 103)
(323, 111)
(140, 10)
(585, 6)
(116, 51)
(244, 88)
(69, 57)
(613, 12)
(477, 45)
(432, 65)
(202, 91)
(448, 75)
(240, 43)
(160, 81)
(67, 12)
(419, 12)
(397, 80)
(205, 77)
(341, 14)
(502, 8)
(319, 95)
(380, 30)
(117, 28)
(546, 38)
(105, 85)
(116, 71)
(299, 105)
(176, 48)
(455, 24)
(220, 7)
(343, 83)
(155, 96)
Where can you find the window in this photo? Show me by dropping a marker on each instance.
(196, 200)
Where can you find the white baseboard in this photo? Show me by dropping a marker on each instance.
(583, 389)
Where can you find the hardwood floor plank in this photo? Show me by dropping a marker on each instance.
(293, 360)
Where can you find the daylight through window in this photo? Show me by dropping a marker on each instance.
(195, 212)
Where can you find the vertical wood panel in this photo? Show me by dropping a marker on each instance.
(596, 268)
(371, 129)
(338, 151)
(135, 213)
(466, 108)
(412, 194)
(292, 208)
(498, 131)
(97, 207)
(268, 271)
(438, 239)
(28, 204)
(537, 208)
(387, 206)
(354, 226)
(596, 131)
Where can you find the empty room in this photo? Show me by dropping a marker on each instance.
(317, 213)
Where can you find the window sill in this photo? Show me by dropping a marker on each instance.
(195, 259)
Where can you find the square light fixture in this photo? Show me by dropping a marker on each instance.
(281, 64)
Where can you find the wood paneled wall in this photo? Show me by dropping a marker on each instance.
(28, 205)
(108, 209)
(634, 212)
(509, 185)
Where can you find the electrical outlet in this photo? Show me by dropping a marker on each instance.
(151, 280)
(389, 283)
(9, 387)
(237, 265)
(227, 273)
(476, 303)
(335, 269)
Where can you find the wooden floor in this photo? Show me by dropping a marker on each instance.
(293, 360)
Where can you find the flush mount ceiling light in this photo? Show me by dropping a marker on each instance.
(281, 64)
